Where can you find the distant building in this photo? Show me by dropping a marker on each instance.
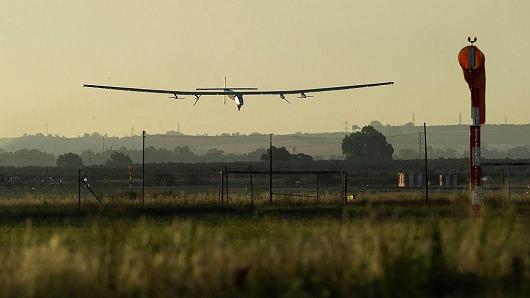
(448, 179)
(411, 179)
(415, 179)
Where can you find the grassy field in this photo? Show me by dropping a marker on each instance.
(378, 245)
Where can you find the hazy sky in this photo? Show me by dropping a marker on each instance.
(48, 49)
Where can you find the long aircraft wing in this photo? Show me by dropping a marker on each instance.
(240, 92)
(237, 94)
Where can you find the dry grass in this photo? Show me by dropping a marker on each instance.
(178, 246)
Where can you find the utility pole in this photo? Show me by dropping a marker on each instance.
(413, 118)
(459, 118)
(270, 168)
(419, 145)
(345, 127)
(143, 166)
(226, 183)
(426, 176)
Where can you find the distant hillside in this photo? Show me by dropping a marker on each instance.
(453, 138)
(496, 139)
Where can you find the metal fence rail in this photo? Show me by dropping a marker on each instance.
(224, 194)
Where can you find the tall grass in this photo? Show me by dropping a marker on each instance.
(382, 250)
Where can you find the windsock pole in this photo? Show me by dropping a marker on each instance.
(472, 60)
(475, 176)
(475, 173)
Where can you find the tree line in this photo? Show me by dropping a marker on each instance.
(366, 144)
(124, 157)
(34, 157)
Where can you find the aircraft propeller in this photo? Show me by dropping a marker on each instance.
(283, 97)
(176, 97)
(303, 95)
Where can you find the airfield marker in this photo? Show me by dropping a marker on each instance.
(472, 61)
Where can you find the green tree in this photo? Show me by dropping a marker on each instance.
(377, 125)
(302, 157)
(184, 154)
(367, 144)
(278, 154)
(70, 160)
(118, 159)
(33, 157)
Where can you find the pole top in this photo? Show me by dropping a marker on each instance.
(472, 41)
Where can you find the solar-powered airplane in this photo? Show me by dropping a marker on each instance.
(237, 94)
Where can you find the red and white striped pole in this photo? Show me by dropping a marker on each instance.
(472, 61)
(475, 176)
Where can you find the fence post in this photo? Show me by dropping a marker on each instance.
(221, 187)
(317, 189)
(251, 186)
(226, 182)
(345, 187)
(79, 188)
(270, 168)
(143, 166)
(426, 168)
(509, 184)
(131, 194)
